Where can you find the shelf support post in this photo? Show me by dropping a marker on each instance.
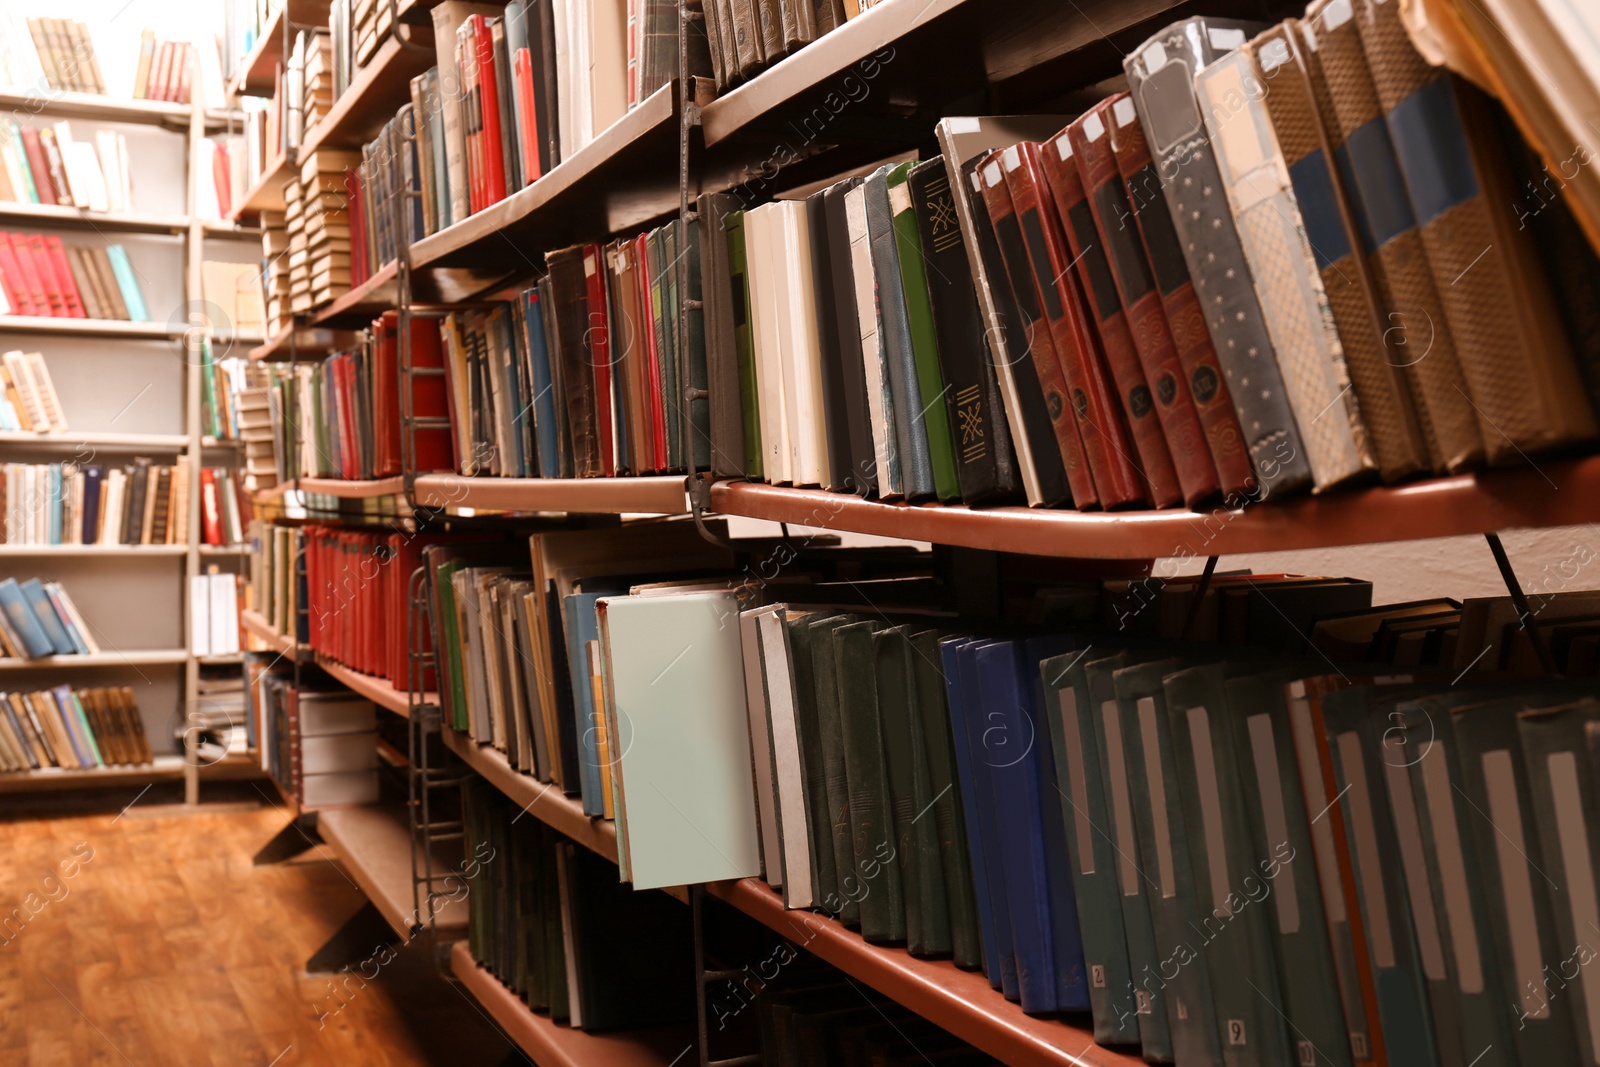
(1525, 613)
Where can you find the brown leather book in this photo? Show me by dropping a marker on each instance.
(1183, 317)
(110, 291)
(130, 709)
(746, 25)
(1524, 382)
(1091, 393)
(1154, 459)
(769, 23)
(85, 283)
(1090, 142)
(1039, 344)
(1334, 235)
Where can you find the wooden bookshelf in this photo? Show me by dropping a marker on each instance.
(351, 489)
(63, 327)
(142, 657)
(1552, 494)
(156, 442)
(302, 342)
(374, 844)
(163, 769)
(255, 75)
(625, 176)
(266, 194)
(548, 802)
(63, 217)
(227, 230)
(360, 305)
(110, 551)
(962, 1002)
(378, 690)
(646, 496)
(69, 105)
(376, 92)
(552, 1044)
(256, 624)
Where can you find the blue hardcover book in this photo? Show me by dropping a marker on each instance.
(72, 708)
(999, 966)
(1072, 986)
(29, 630)
(77, 732)
(54, 627)
(127, 283)
(544, 399)
(582, 627)
(1404, 1012)
(55, 593)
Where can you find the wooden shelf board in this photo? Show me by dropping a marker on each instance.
(545, 802)
(93, 550)
(255, 74)
(155, 441)
(1556, 493)
(59, 216)
(164, 768)
(552, 1044)
(143, 657)
(227, 229)
(307, 341)
(94, 106)
(652, 495)
(256, 624)
(376, 92)
(266, 194)
(350, 489)
(963, 1002)
(88, 327)
(361, 305)
(378, 690)
(604, 187)
(374, 843)
(226, 550)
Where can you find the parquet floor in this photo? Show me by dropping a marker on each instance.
(158, 943)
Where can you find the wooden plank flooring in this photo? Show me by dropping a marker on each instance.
(145, 940)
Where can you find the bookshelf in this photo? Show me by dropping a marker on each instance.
(60, 216)
(23, 551)
(301, 341)
(112, 329)
(374, 844)
(612, 496)
(70, 105)
(256, 71)
(163, 769)
(374, 93)
(143, 657)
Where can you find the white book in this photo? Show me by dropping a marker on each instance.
(200, 615)
(110, 158)
(794, 820)
(566, 123)
(767, 333)
(111, 513)
(328, 714)
(761, 747)
(880, 400)
(84, 633)
(44, 388)
(223, 614)
(582, 79)
(802, 368)
(88, 181)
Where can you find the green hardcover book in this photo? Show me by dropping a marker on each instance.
(695, 349)
(1553, 750)
(1091, 847)
(875, 880)
(932, 717)
(910, 785)
(1182, 974)
(1117, 753)
(808, 725)
(744, 340)
(671, 349)
(924, 337)
(1280, 831)
(835, 780)
(1495, 811)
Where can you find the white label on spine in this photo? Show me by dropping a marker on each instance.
(1452, 870)
(1316, 793)
(1123, 111)
(1072, 734)
(1155, 57)
(1011, 159)
(1121, 804)
(1205, 772)
(1225, 38)
(1064, 147)
(1093, 128)
(963, 124)
(1336, 14)
(1511, 858)
(1578, 868)
(1157, 782)
(991, 174)
(1408, 835)
(1365, 832)
(899, 198)
(1274, 818)
(1274, 55)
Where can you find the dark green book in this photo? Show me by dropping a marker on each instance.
(744, 341)
(808, 725)
(836, 783)
(875, 880)
(694, 350)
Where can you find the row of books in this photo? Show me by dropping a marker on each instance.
(357, 584)
(47, 165)
(38, 618)
(388, 170)
(235, 406)
(214, 613)
(341, 418)
(39, 275)
(165, 70)
(28, 400)
(278, 579)
(226, 159)
(141, 503)
(71, 729)
(48, 54)
(221, 723)
(748, 36)
(318, 741)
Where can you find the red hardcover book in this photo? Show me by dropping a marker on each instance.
(471, 113)
(658, 416)
(63, 273)
(210, 517)
(1184, 318)
(1108, 203)
(39, 256)
(598, 336)
(1064, 416)
(33, 148)
(159, 71)
(488, 94)
(219, 178)
(528, 134)
(430, 400)
(344, 388)
(1107, 447)
(29, 272)
(386, 443)
(1077, 219)
(16, 285)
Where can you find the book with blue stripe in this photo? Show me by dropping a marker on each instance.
(55, 629)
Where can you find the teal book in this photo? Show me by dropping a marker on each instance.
(1091, 846)
(128, 283)
(1116, 756)
(1182, 973)
(1396, 965)
(1494, 808)
(1553, 750)
(1280, 830)
(1235, 885)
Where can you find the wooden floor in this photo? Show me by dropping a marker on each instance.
(166, 946)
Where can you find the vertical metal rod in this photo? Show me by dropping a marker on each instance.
(1525, 612)
(1199, 597)
(193, 370)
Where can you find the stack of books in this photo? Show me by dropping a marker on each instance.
(141, 503)
(317, 741)
(71, 729)
(39, 275)
(294, 224)
(325, 218)
(47, 165)
(48, 54)
(252, 421)
(316, 80)
(39, 619)
(275, 274)
(225, 511)
(221, 722)
(214, 614)
(28, 399)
